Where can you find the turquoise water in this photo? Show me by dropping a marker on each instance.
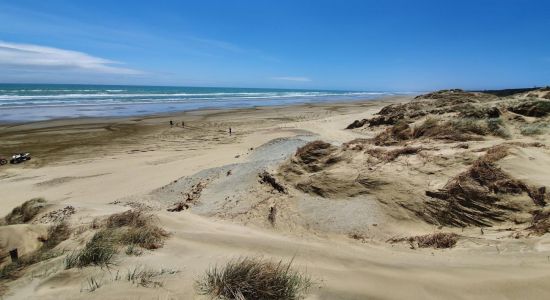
(34, 102)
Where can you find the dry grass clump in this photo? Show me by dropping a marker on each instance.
(132, 218)
(479, 112)
(254, 278)
(312, 151)
(471, 198)
(393, 135)
(536, 108)
(357, 124)
(136, 228)
(439, 240)
(315, 156)
(496, 153)
(541, 222)
(25, 212)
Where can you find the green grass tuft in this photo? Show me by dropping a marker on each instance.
(99, 251)
(254, 278)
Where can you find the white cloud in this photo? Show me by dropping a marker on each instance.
(292, 78)
(34, 56)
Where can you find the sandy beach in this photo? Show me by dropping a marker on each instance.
(345, 222)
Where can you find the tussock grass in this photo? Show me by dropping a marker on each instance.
(130, 228)
(133, 218)
(312, 151)
(254, 278)
(99, 251)
(148, 237)
(438, 240)
(25, 212)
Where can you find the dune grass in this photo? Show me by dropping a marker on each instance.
(533, 129)
(148, 237)
(25, 212)
(99, 251)
(254, 278)
(131, 228)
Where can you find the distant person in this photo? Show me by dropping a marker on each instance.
(182, 124)
(171, 123)
(229, 130)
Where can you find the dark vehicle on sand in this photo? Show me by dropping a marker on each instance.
(19, 158)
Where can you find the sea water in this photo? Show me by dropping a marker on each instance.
(35, 102)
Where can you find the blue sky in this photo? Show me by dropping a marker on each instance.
(394, 45)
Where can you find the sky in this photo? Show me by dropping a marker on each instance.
(391, 45)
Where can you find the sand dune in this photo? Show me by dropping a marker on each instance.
(342, 203)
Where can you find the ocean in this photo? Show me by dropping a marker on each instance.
(36, 102)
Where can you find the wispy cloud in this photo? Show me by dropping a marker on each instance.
(30, 56)
(292, 78)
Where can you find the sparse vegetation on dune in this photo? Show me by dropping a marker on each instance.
(471, 198)
(25, 212)
(465, 104)
(56, 234)
(129, 228)
(452, 130)
(309, 171)
(533, 128)
(254, 278)
(439, 240)
(391, 155)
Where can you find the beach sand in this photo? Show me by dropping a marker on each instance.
(105, 166)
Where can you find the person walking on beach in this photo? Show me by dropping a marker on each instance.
(229, 130)
(182, 124)
(171, 123)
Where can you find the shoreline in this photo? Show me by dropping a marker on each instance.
(202, 111)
